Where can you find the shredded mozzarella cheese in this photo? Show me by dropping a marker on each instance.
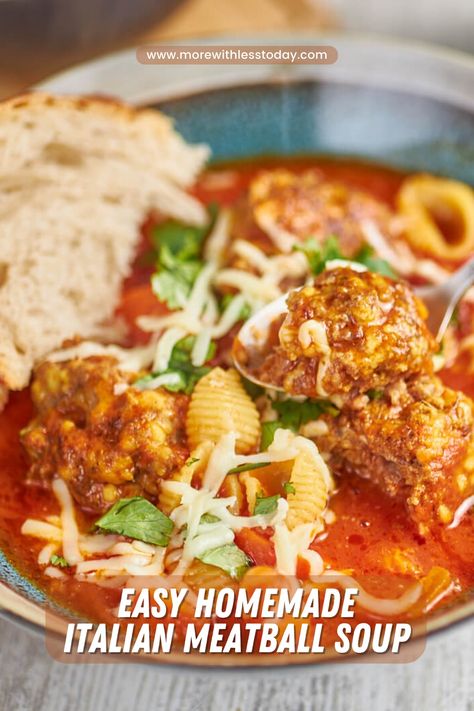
(71, 551)
(291, 544)
(461, 511)
(130, 359)
(380, 606)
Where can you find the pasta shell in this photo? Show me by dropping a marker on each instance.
(219, 405)
(308, 502)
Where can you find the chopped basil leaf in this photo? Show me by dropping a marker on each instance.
(186, 375)
(247, 467)
(266, 504)
(59, 561)
(183, 242)
(192, 460)
(289, 488)
(181, 354)
(367, 256)
(229, 558)
(174, 381)
(319, 254)
(173, 286)
(178, 250)
(137, 518)
(252, 389)
(374, 394)
(268, 433)
(293, 414)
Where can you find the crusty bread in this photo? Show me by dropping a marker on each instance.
(77, 178)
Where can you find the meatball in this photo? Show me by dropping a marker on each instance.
(106, 439)
(349, 332)
(290, 207)
(411, 440)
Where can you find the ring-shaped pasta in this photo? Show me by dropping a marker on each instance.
(438, 215)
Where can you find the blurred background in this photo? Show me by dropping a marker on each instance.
(41, 37)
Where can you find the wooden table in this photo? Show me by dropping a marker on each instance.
(441, 680)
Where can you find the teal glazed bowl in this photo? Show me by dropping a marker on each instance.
(408, 106)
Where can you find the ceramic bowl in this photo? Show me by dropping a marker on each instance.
(405, 105)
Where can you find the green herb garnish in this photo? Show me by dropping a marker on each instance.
(367, 256)
(293, 414)
(59, 561)
(139, 519)
(178, 248)
(374, 394)
(186, 375)
(229, 558)
(192, 460)
(173, 286)
(209, 518)
(252, 389)
(289, 488)
(245, 311)
(248, 467)
(268, 433)
(319, 254)
(266, 504)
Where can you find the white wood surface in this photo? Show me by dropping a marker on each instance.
(441, 680)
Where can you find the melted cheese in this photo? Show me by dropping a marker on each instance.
(71, 551)
(45, 553)
(197, 502)
(165, 347)
(192, 537)
(129, 359)
(391, 607)
(41, 529)
(461, 511)
(291, 544)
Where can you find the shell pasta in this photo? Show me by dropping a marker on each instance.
(309, 479)
(220, 405)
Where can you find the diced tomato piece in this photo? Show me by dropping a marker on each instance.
(303, 568)
(138, 301)
(258, 548)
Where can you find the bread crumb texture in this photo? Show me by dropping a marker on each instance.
(77, 178)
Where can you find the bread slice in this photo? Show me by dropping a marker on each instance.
(77, 178)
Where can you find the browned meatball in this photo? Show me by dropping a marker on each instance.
(349, 332)
(409, 440)
(105, 445)
(288, 206)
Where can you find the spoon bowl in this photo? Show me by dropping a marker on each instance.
(253, 336)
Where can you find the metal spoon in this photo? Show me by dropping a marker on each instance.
(441, 300)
